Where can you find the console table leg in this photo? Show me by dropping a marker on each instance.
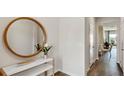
(53, 63)
(45, 73)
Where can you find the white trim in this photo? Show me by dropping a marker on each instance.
(68, 73)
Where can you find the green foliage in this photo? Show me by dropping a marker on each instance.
(46, 49)
(38, 47)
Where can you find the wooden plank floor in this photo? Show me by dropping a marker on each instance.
(60, 74)
(106, 66)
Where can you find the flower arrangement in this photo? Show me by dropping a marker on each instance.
(45, 48)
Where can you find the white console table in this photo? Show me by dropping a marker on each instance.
(30, 68)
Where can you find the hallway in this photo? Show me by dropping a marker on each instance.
(106, 66)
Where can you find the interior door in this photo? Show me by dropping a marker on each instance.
(121, 54)
(120, 43)
(92, 39)
(91, 47)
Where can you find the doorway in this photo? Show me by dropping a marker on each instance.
(107, 46)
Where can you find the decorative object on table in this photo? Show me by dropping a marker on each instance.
(38, 47)
(46, 49)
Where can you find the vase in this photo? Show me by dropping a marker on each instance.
(45, 56)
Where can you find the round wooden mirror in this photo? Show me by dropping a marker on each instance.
(25, 37)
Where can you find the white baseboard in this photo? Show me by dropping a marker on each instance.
(70, 74)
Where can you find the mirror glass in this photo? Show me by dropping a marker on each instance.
(25, 36)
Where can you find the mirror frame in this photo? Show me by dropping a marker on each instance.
(7, 30)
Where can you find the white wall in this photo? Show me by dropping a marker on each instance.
(87, 44)
(51, 24)
(71, 45)
(67, 35)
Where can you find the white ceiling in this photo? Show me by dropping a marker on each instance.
(108, 23)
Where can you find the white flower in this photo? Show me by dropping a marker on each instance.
(46, 45)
